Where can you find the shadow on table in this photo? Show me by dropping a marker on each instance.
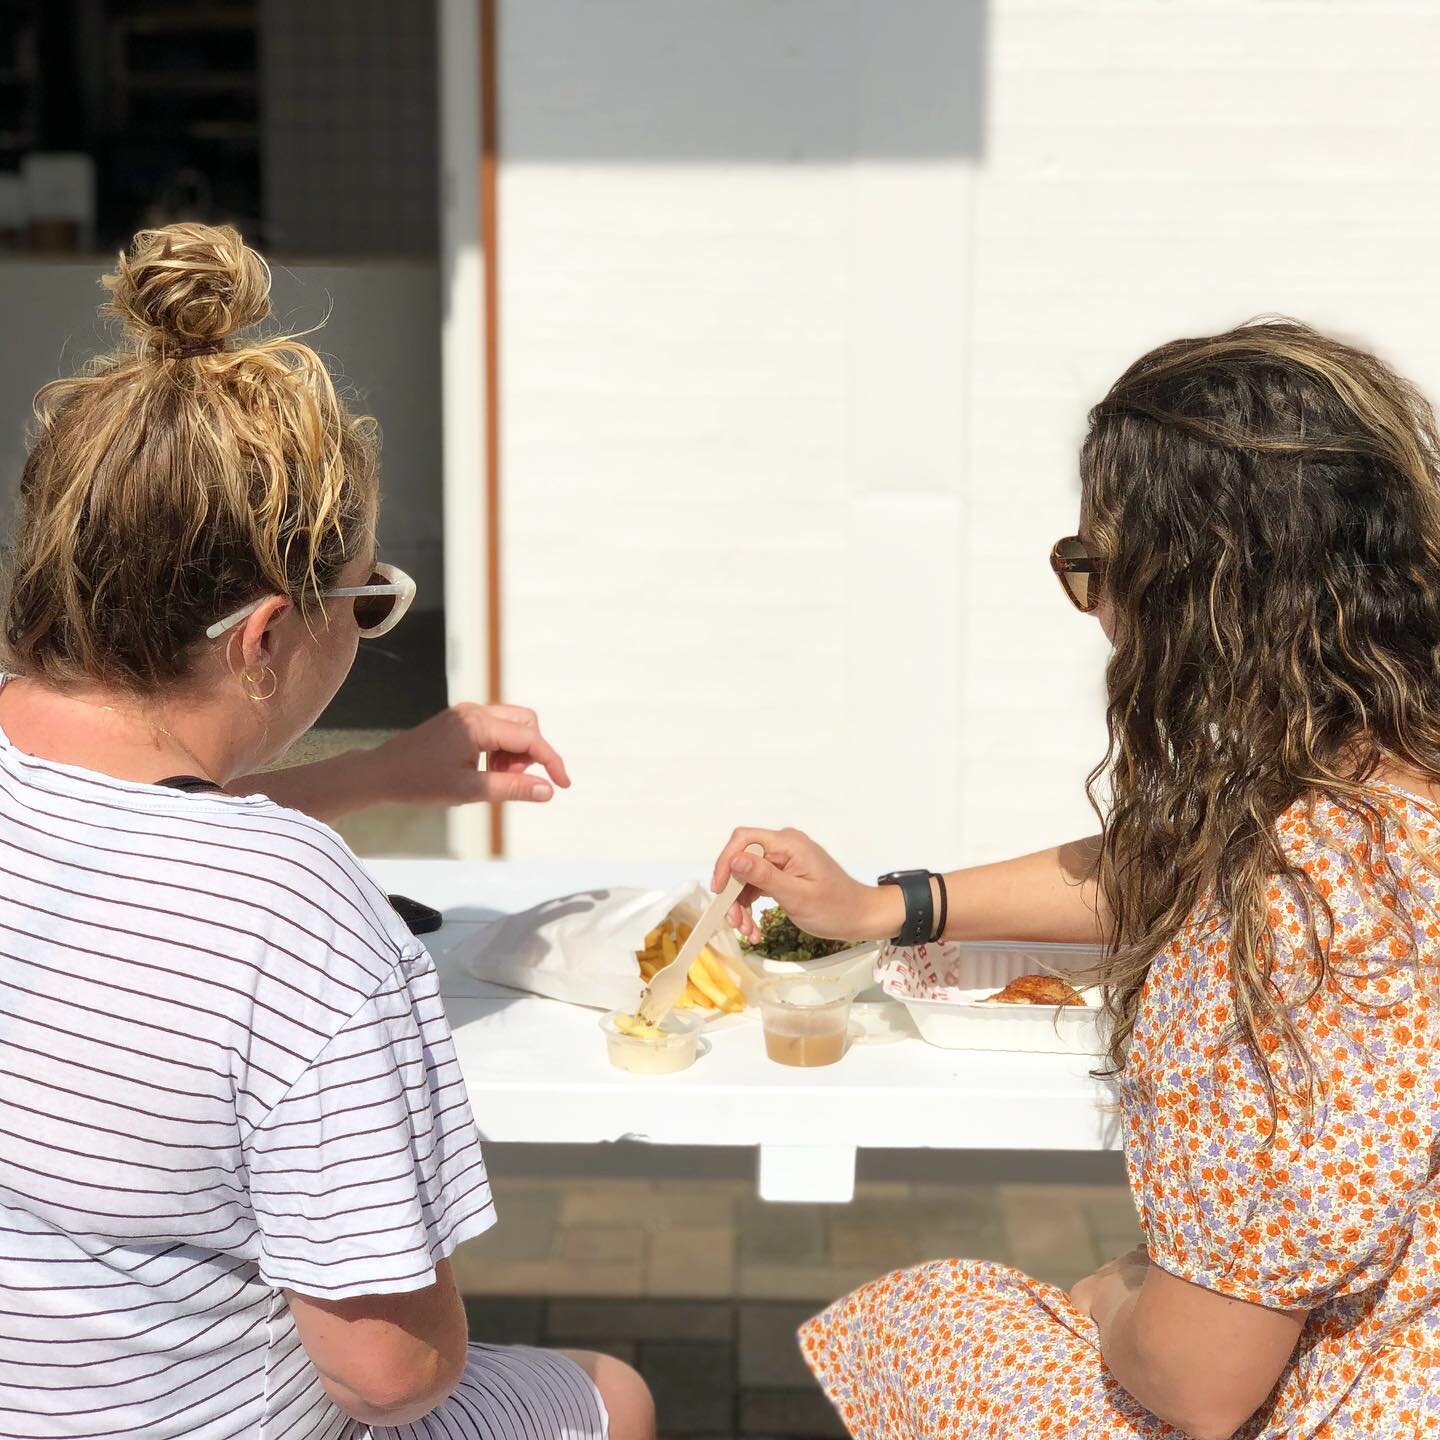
(546, 913)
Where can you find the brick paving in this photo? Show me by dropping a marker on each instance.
(701, 1284)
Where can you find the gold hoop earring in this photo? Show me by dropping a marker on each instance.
(252, 682)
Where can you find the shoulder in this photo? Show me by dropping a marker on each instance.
(310, 878)
(307, 929)
(1347, 928)
(326, 947)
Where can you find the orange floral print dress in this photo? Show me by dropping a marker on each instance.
(1337, 1212)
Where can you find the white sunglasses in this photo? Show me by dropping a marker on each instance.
(380, 605)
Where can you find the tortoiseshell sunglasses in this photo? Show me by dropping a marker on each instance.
(1078, 571)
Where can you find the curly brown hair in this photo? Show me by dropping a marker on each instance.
(1267, 502)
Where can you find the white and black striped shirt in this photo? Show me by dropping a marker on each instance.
(224, 1070)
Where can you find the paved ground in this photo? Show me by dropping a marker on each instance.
(702, 1285)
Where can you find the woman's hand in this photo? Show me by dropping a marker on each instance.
(814, 891)
(439, 761)
(1101, 1294)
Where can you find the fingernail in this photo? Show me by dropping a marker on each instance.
(541, 792)
(740, 864)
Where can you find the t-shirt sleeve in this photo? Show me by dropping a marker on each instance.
(1288, 1206)
(369, 1170)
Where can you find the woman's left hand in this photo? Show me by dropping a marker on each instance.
(467, 753)
(1099, 1295)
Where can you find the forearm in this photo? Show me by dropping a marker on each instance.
(326, 789)
(1053, 895)
(1199, 1377)
(1142, 1371)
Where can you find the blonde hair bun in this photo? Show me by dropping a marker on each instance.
(188, 286)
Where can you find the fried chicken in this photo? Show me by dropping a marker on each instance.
(1035, 990)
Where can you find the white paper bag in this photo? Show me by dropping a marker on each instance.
(581, 948)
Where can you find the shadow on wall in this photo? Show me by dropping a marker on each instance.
(767, 82)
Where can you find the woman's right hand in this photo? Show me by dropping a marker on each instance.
(813, 890)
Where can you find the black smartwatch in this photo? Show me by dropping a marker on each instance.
(919, 926)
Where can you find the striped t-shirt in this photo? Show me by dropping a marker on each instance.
(224, 1071)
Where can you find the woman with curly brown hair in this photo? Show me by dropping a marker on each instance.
(1260, 537)
(235, 1146)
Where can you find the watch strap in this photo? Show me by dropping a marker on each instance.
(914, 887)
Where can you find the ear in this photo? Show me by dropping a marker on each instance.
(257, 632)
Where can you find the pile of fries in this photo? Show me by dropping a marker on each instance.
(710, 985)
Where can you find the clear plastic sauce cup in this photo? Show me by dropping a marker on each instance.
(673, 1049)
(806, 1019)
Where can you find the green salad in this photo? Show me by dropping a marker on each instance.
(782, 939)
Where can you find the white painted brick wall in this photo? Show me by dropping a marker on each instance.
(804, 302)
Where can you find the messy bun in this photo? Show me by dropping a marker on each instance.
(188, 286)
(161, 493)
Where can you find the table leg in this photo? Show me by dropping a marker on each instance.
(808, 1172)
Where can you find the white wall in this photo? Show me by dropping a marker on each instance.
(803, 304)
(382, 339)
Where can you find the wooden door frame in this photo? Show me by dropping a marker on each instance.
(469, 283)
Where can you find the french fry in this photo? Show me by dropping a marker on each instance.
(714, 996)
(732, 998)
(709, 985)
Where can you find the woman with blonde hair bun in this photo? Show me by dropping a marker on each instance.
(237, 1147)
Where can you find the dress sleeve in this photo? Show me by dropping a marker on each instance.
(1284, 1208)
(369, 1170)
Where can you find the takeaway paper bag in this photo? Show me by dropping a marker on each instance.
(581, 948)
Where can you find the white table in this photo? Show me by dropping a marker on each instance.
(537, 1070)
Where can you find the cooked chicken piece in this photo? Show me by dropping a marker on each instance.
(1035, 990)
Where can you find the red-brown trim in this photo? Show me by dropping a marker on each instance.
(489, 168)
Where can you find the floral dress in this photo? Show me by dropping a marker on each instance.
(1335, 1210)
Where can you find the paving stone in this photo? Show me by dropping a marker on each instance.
(626, 1350)
(769, 1352)
(613, 1202)
(789, 1234)
(691, 1261)
(556, 1277)
(582, 1322)
(889, 1234)
(819, 1284)
(790, 1413)
(1113, 1223)
(505, 1321)
(877, 1248)
(525, 1231)
(700, 1202)
(1048, 1237)
(655, 1204)
(693, 1385)
(601, 1244)
(889, 1190)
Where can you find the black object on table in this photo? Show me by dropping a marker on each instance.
(421, 919)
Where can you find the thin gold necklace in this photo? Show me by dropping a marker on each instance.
(159, 730)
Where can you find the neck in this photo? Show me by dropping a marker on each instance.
(113, 733)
